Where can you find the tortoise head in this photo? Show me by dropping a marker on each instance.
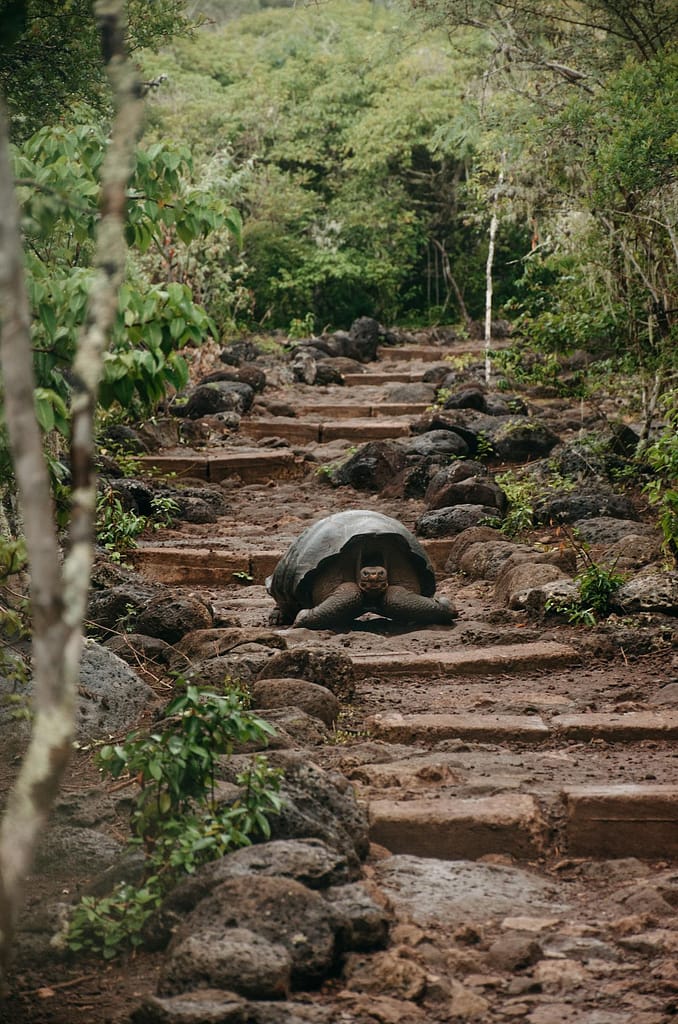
(373, 579)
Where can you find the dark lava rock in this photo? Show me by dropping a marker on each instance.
(437, 442)
(372, 467)
(331, 669)
(316, 805)
(253, 376)
(117, 605)
(516, 439)
(610, 530)
(461, 544)
(467, 398)
(280, 911)
(309, 861)
(171, 618)
(361, 924)
(445, 522)
(239, 352)
(133, 647)
(327, 373)
(220, 955)
(476, 490)
(460, 469)
(220, 396)
(571, 506)
(363, 340)
(65, 850)
(317, 701)
(649, 592)
(202, 1006)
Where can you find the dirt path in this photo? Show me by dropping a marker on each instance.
(522, 792)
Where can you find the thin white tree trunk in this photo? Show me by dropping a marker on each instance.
(58, 596)
(494, 224)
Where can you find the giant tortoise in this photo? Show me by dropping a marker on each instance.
(355, 562)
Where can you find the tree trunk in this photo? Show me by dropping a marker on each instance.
(494, 224)
(58, 594)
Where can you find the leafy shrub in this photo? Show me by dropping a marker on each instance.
(596, 585)
(117, 528)
(178, 818)
(663, 489)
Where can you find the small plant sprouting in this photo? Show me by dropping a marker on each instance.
(243, 576)
(179, 819)
(520, 515)
(117, 528)
(596, 585)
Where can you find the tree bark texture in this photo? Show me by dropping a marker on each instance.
(58, 592)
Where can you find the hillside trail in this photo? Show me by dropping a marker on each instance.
(522, 791)
(520, 776)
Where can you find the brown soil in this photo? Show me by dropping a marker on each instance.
(619, 672)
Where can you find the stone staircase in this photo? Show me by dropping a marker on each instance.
(509, 753)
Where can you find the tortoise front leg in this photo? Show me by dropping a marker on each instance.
(343, 605)
(402, 605)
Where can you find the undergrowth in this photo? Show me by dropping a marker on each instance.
(179, 819)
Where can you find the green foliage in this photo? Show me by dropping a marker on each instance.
(117, 528)
(596, 584)
(108, 925)
(521, 493)
(178, 817)
(57, 171)
(14, 622)
(301, 327)
(662, 491)
(328, 119)
(558, 306)
(50, 54)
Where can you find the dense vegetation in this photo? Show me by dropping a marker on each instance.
(306, 165)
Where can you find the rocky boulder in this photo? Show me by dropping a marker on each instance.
(372, 467)
(219, 396)
(591, 503)
(446, 522)
(171, 618)
(317, 701)
(291, 933)
(467, 538)
(513, 587)
(437, 442)
(649, 592)
(332, 670)
(474, 490)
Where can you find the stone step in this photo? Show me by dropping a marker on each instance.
(424, 353)
(202, 566)
(604, 821)
(622, 821)
(380, 377)
(323, 411)
(460, 829)
(394, 727)
(198, 565)
(299, 431)
(252, 465)
(469, 661)
(629, 726)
